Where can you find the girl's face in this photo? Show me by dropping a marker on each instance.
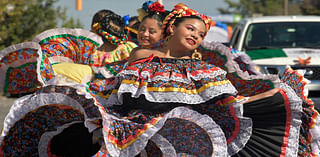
(149, 32)
(189, 34)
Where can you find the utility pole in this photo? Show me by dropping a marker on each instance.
(285, 7)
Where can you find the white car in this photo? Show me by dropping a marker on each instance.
(275, 42)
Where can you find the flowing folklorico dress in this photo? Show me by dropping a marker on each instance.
(248, 81)
(37, 124)
(64, 45)
(55, 119)
(176, 107)
(33, 120)
(78, 47)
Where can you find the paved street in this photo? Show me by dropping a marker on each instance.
(5, 104)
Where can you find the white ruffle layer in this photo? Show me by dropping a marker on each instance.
(205, 122)
(233, 67)
(31, 102)
(171, 97)
(296, 109)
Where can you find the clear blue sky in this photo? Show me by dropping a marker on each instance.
(124, 7)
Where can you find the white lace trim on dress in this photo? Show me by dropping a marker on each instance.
(204, 121)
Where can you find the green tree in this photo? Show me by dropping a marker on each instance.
(249, 8)
(310, 7)
(21, 20)
(68, 22)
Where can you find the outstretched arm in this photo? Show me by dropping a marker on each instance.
(264, 95)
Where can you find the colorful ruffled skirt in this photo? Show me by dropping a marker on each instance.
(176, 107)
(52, 121)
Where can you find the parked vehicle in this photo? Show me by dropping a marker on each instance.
(275, 42)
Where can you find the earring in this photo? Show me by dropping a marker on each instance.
(196, 55)
(166, 40)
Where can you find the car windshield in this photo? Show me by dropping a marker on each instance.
(283, 35)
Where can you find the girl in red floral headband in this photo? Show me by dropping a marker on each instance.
(149, 33)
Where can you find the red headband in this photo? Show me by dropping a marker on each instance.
(181, 10)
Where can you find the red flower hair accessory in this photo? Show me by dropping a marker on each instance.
(156, 7)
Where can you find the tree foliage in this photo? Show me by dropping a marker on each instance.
(249, 8)
(309, 8)
(21, 20)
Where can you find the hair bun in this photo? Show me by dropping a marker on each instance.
(114, 24)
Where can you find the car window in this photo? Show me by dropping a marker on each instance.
(235, 36)
(282, 35)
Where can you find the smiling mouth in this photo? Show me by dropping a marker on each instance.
(191, 42)
(144, 40)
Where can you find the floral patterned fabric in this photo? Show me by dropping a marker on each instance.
(64, 45)
(77, 46)
(18, 68)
